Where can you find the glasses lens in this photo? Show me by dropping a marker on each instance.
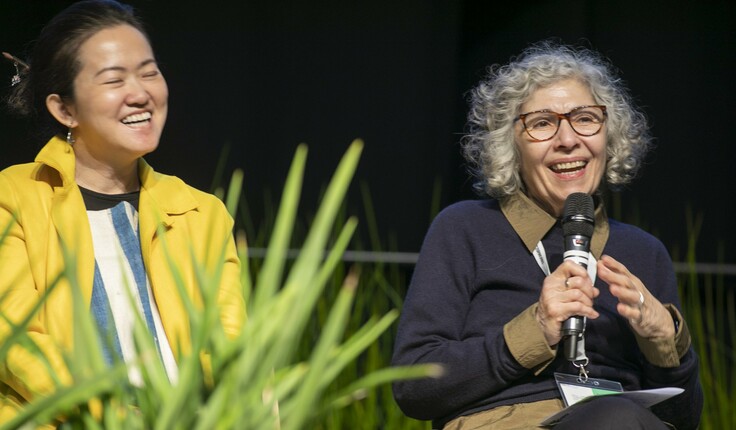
(587, 121)
(541, 125)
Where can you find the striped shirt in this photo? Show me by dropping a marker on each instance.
(121, 290)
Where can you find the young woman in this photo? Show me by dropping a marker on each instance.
(93, 86)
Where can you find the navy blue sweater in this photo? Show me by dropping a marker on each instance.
(474, 275)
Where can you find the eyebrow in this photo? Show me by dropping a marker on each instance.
(122, 69)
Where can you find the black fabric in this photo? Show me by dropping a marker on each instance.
(95, 201)
(554, 246)
(611, 413)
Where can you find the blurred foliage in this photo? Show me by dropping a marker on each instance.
(709, 307)
(291, 367)
(302, 355)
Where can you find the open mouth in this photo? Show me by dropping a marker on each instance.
(136, 119)
(570, 167)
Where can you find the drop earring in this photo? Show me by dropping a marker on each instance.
(69, 138)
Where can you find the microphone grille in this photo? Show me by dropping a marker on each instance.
(578, 216)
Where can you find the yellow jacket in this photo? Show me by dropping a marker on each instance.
(42, 207)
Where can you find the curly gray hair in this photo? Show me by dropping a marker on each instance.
(489, 146)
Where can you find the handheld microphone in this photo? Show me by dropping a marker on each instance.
(578, 222)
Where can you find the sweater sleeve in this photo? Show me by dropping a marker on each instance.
(526, 341)
(431, 329)
(667, 352)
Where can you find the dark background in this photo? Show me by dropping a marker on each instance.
(261, 77)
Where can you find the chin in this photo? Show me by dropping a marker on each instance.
(144, 149)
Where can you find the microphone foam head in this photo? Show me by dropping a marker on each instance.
(578, 216)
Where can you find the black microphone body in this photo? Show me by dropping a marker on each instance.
(578, 223)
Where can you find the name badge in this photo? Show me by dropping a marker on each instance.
(574, 389)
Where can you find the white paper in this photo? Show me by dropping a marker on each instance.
(645, 398)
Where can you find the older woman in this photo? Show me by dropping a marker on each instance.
(491, 291)
(95, 89)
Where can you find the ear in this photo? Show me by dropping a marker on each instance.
(63, 112)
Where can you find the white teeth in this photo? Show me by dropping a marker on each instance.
(573, 165)
(139, 117)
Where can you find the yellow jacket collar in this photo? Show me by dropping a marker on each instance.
(168, 193)
(59, 155)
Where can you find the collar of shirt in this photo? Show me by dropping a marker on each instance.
(532, 223)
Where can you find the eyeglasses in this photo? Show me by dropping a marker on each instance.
(542, 125)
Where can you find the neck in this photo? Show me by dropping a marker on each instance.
(108, 180)
(105, 172)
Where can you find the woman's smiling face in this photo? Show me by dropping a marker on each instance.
(568, 162)
(120, 96)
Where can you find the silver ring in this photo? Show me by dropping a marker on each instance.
(567, 282)
(640, 306)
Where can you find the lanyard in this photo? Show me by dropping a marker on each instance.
(581, 360)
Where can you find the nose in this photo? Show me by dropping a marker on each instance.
(566, 136)
(137, 93)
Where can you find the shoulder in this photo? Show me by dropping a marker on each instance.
(175, 196)
(20, 173)
(470, 210)
(467, 220)
(28, 182)
(639, 250)
(628, 234)
(205, 199)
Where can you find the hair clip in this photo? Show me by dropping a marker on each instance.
(15, 80)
